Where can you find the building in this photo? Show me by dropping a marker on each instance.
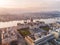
(0, 38)
(29, 40)
(21, 26)
(8, 35)
(45, 40)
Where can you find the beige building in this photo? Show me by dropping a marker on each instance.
(29, 40)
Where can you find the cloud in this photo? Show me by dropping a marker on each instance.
(31, 5)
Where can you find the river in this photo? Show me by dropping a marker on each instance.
(14, 23)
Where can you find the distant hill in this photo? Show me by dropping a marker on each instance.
(34, 15)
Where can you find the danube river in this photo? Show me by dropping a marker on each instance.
(14, 23)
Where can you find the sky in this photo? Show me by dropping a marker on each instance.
(31, 5)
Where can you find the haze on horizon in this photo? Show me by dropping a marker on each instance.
(29, 5)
